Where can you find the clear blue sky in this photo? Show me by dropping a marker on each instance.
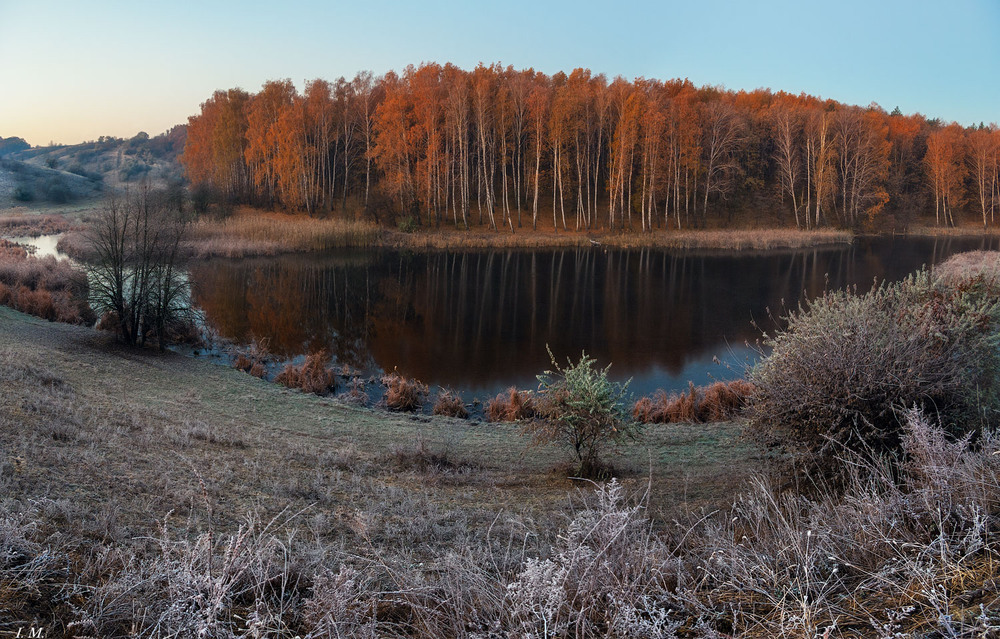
(72, 71)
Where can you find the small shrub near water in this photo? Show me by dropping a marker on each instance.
(312, 376)
(450, 404)
(402, 394)
(578, 405)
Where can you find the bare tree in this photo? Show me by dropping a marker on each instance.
(787, 131)
(724, 132)
(135, 278)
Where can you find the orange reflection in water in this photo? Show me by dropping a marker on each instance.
(480, 320)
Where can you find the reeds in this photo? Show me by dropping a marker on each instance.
(252, 233)
(312, 376)
(718, 402)
(44, 287)
(403, 394)
(32, 225)
(510, 406)
(729, 240)
(450, 404)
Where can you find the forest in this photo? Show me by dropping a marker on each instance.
(504, 148)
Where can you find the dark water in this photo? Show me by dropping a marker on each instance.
(479, 321)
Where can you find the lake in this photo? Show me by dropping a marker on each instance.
(480, 321)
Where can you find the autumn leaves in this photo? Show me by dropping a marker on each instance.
(496, 146)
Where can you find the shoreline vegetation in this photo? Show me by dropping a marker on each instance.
(257, 233)
(250, 232)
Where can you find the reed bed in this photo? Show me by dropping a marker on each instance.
(729, 240)
(250, 234)
(963, 230)
(717, 402)
(22, 225)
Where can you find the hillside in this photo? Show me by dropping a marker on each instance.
(61, 174)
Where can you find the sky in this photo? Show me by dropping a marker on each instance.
(72, 71)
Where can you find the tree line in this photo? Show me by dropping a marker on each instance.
(501, 147)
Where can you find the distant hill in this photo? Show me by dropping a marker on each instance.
(12, 145)
(64, 173)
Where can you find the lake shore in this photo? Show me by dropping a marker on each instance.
(250, 232)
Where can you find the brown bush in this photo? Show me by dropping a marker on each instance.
(312, 376)
(511, 406)
(402, 394)
(845, 364)
(684, 407)
(719, 402)
(450, 404)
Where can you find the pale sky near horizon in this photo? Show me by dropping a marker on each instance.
(72, 71)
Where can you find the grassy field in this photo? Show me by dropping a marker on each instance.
(154, 422)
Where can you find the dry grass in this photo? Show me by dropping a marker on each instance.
(43, 287)
(511, 406)
(721, 401)
(731, 240)
(450, 404)
(403, 394)
(249, 233)
(22, 225)
(252, 232)
(883, 557)
(127, 478)
(965, 229)
(312, 376)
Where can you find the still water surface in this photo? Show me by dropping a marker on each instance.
(480, 321)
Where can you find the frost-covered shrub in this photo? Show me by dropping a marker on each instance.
(846, 364)
(580, 406)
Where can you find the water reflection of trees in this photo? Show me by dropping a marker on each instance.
(482, 319)
(298, 304)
